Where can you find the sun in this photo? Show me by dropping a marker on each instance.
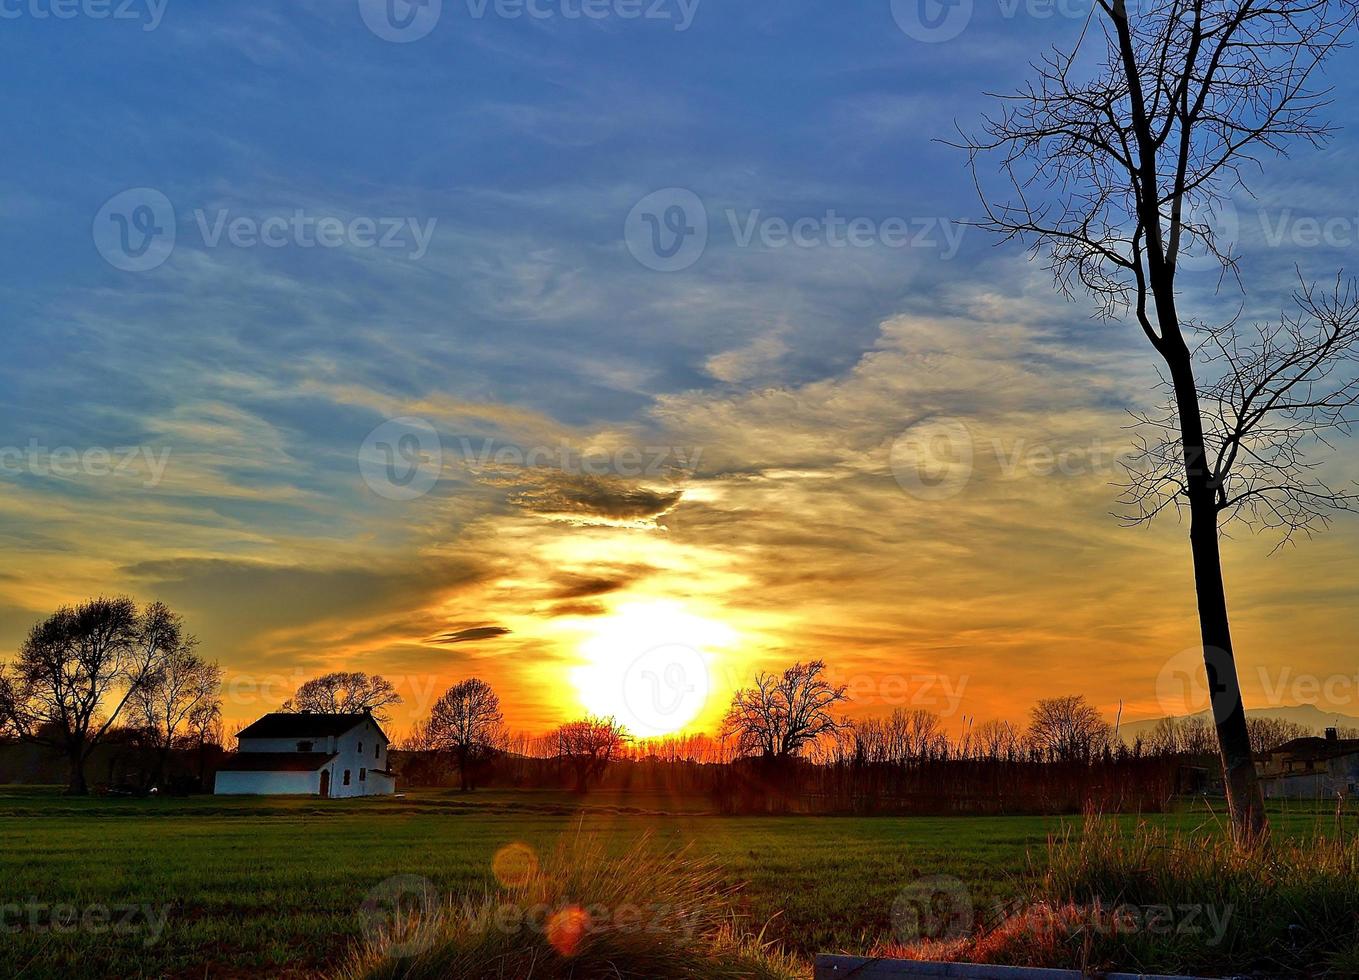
(651, 665)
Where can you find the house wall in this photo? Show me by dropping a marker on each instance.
(267, 783)
(360, 750)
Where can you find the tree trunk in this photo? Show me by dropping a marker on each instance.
(77, 785)
(1245, 802)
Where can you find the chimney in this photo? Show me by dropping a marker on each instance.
(1332, 735)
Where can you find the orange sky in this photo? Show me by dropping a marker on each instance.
(801, 533)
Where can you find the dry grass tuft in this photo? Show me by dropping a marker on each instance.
(583, 913)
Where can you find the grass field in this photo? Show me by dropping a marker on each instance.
(276, 885)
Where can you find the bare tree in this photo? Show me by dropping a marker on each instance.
(1193, 735)
(78, 669)
(1267, 734)
(588, 745)
(467, 721)
(343, 693)
(179, 697)
(901, 737)
(1068, 729)
(783, 714)
(1116, 154)
(997, 739)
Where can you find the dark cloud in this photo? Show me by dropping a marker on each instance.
(588, 586)
(593, 496)
(472, 634)
(578, 609)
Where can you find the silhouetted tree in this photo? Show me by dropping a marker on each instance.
(1116, 153)
(588, 745)
(784, 713)
(467, 721)
(345, 692)
(1068, 729)
(78, 669)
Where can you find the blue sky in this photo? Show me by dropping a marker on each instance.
(522, 145)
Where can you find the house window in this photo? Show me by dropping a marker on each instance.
(360, 748)
(304, 746)
(363, 775)
(377, 751)
(346, 777)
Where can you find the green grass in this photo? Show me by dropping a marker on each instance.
(276, 885)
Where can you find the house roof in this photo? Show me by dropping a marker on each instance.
(305, 724)
(277, 761)
(1316, 748)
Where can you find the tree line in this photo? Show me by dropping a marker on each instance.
(109, 666)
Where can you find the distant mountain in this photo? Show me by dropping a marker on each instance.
(1308, 715)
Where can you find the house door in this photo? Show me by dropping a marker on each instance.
(325, 782)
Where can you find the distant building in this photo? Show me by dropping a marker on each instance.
(309, 753)
(1312, 768)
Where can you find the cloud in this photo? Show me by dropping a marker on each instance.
(580, 497)
(472, 634)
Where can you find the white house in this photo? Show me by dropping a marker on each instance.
(309, 753)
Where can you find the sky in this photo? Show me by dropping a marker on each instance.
(590, 347)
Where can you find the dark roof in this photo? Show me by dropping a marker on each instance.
(304, 724)
(277, 761)
(1313, 747)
